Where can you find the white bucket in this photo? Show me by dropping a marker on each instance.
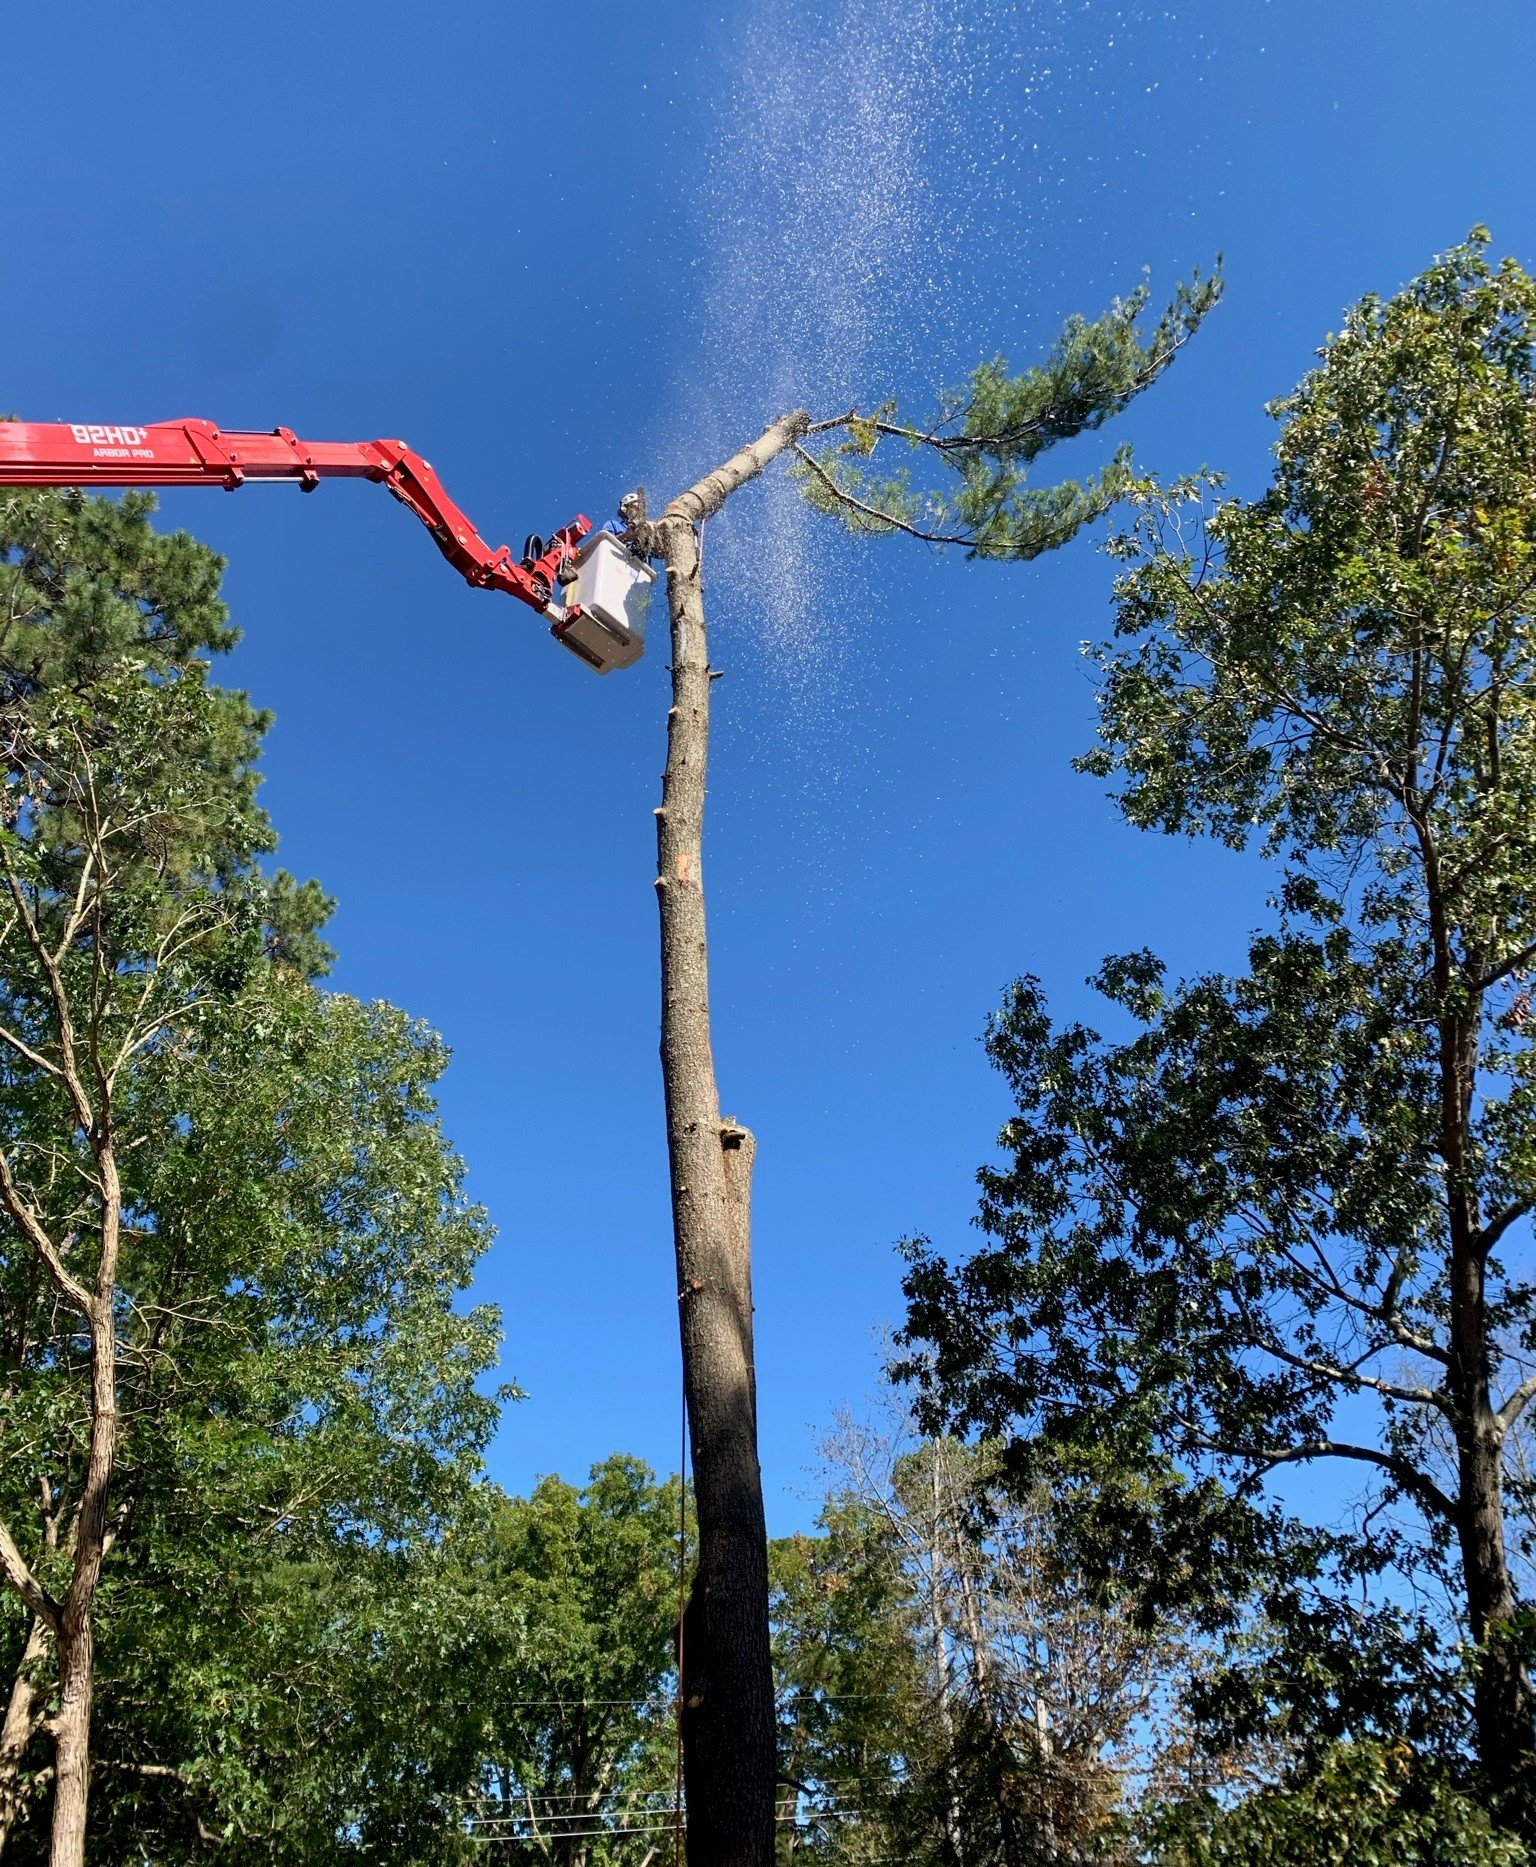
(612, 589)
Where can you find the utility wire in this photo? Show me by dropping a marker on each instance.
(543, 1797)
(614, 1792)
(663, 1828)
(658, 1700)
(657, 1817)
(649, 1818)
(655, 1803)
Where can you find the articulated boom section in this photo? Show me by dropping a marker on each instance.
(195, 453)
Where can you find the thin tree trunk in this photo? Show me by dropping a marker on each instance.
(93, 1533)
(23, 1714)
(75, 1632)
(1502, 1693)
(1502, 1698)
(728, 1704)
(954, 1823)
(994, 1713)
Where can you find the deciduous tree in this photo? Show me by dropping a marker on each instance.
(1285, 1222)
(576, 1736)
(234, 1374)
(951, 1692)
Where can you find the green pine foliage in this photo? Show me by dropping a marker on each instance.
(974, 460)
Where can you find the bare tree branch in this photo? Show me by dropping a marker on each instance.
(1516, 1404)
(1500, 1223)
(69, 1074)
(874, 512)
(36, 1235)
(14, 1570)
(1407, 1474)
(25, 1050)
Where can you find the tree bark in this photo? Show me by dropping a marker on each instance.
(76, 1631)
(23, 1714)
(76, 1636)
(727, 1686)
(1502, 1701)
(1502, 1698)
(954, 1814)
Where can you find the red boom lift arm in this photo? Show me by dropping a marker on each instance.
(195, 453)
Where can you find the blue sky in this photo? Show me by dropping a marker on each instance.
(564, 251)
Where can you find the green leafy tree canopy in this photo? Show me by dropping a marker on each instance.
(1286, 1221)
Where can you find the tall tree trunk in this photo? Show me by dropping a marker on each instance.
(728, 1704)
(954, 1814)
(994, 1712)
(72, 1744)
(77, 1639)
(1502, 1693)
(1502, 1699)
(76, 1631)
(23, 1714)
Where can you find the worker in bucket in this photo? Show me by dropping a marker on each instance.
(624, 525)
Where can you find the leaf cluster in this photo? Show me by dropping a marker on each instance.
(1368, 1805)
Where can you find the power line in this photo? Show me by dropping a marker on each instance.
(808, 1820)
(618, 1793)
(661, 1701)
(654, 1828)
(657, 1700)
(585, 1795)
(545, 1798)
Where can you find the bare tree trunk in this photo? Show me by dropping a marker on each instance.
(728, 1703)
(77, 1640)
(72, 1745)
(966, 1561)
(954, 1816)
(23, 1714)
(1503, 1708)
(93, 1536)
